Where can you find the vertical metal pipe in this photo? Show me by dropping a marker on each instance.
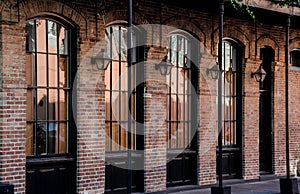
(221, 12)
(288, 21)
(129, 60)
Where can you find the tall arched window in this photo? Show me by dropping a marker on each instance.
(179, 93)
(229, 77)
(116, 92)
(117, 110)
(182, 109)
(232, 108)
(48, 92)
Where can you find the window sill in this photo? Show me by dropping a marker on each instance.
(49, 160)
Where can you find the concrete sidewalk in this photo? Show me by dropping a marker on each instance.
(260, 187)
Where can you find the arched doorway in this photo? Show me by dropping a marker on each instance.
(232, 126)
(266, 113)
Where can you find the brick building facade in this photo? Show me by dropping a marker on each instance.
(64, 123)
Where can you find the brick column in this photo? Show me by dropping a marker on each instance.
(12, 105)
(91, 128)
(251, 124)
(279, 120)
(155, 125)
(207, 139)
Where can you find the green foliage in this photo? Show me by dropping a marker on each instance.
(244, 8)
(289, 2)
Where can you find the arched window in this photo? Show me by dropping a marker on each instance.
(231, 93)
(179, 93)
(48, 92)
(116, 92)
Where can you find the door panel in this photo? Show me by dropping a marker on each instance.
(231, 163)
(116, 173)
(181, 168)
(50, 176)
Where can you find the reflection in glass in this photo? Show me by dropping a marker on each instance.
(63, 62)
(41, 35)
(53, 105)
(41, 104)
(48, 92)
(52, 36)
(52, 70)
(52, 137)
(41, 70)
(63, 108)
(63, 36)
(229, 94)
(63, 140)
(178, 97)
(30, 36)
(41, 134)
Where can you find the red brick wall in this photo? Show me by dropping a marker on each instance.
(91, 147)
(12, 104)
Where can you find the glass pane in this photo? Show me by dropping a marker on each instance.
(41, 139)
(115, 76)
(63, 109)
(41, 70)
(123, 106)
(180, 136)
(107, 80)
(53, 104)
(107, 106)
(63, 61)
(187, 134)
(115, 136)
(173, 108)
(63, 140)
(123, 76)
(52, 37)
(41, 104)
(30, 63)
(53, 137)
(107, 136)
(41, 35)
(173, 135)
(168, 108)
(52, 70)
(30, 36)
(116, 106)
(29, 139)
(29, 105)
(123, 143)
(62, 40)
(123, 44)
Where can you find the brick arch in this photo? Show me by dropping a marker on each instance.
(7, 4)
(68, 10)
(235, 33)
(115, 13)
(268, 40)
(188, 25)
(294, 43)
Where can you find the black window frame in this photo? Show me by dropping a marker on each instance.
(136, 93)
(237, 74)
(71, 65)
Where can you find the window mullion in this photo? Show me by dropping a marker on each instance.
(47, 96)
(58, 90)
(35, 89)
